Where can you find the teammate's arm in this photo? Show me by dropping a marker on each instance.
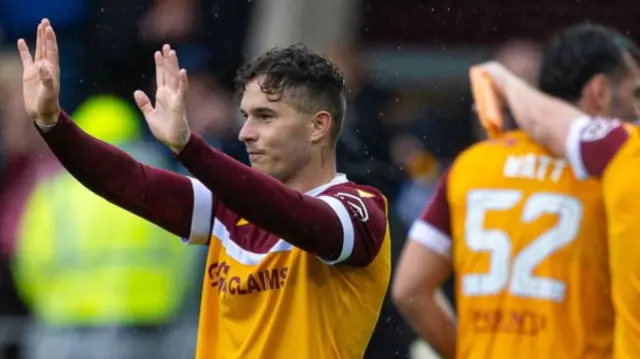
(339, 228)
(424, 266)
(587, 143)
(546, 119)
(173, 202)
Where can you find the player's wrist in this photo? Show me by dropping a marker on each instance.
(179, 147)
(45, 126)
(47, 122)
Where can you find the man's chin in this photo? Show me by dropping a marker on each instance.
(258, 167)
(264, 169)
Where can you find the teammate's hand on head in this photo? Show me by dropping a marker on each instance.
(515, 92)
(168, 119)
(41, 76)
(499, 73)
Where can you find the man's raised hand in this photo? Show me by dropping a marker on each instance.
(41, 76)
(168, 119)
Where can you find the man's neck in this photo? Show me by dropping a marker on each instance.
(316, 173)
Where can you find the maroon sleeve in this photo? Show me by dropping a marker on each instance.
(362, 212)
(436, 213)
(159, 196)
(433, 228)
(593, 143)
(306, 222)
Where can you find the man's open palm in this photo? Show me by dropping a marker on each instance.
(168, 119)
(41, 76)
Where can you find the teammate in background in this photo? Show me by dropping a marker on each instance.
(299, 257)
(606, 149)
(525, 237)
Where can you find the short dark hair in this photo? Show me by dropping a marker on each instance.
(575, 55)
(315, 82)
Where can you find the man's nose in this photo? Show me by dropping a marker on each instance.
(247, 132)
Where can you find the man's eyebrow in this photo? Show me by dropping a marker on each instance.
(263, 110)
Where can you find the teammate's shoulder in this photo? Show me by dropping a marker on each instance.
(596, 129)
(604, 137)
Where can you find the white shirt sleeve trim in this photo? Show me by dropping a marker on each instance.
(573, 147)
(430, 237)
(202, 213)
(348, 237)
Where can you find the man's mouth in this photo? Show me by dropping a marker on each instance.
(254, 155)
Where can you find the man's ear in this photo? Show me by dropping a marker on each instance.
(320, 126)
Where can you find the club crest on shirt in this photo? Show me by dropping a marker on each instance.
(598, 129)
(355, 205)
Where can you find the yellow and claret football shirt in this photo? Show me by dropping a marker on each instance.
(610, 150)
(264, 298)
(527, 241)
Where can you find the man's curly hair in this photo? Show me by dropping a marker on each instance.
(309, 81)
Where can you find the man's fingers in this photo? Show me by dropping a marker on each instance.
(174, 67)
(172, 72)
(52, 46)
(43, 38)
(143, 102)
(39, 43)
(160, 76)
(498, 72)
(25, 55)
(166, 48)
(171, 68)
(183, 85)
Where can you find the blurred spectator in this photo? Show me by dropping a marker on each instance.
(108, 284)
(119, 63)
(522, 57)
(169, 20)
(207, 34)
(363, 147)
(212, 112)
(22, 164)
(436, 127)
(422, 168)
(224, 28)
(210, 31)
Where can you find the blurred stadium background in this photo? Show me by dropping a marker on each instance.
(107, 285)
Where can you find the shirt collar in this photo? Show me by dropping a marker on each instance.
(340, 178)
